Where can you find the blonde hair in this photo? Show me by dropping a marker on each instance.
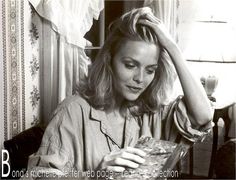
(98, 87)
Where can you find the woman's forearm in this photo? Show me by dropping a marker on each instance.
(196, 99)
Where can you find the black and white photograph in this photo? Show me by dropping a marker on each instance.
(117, 89)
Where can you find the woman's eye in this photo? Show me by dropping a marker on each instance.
(150, 71)
(129, 66)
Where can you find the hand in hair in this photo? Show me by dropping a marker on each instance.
(117, 161)
(199, 107)
(164, 37)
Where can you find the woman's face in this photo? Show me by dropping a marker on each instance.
(134, 67)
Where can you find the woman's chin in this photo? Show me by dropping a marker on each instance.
(132, 97)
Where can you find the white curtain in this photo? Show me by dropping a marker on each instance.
(64, 25)
(70, 18)
(166, 10)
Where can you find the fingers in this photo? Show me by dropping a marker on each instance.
(132, 157)
(150, 17)
(115, 168)
(143, 13)
(124, 163)
(145, 22)
(149, 23)
(129, 150)
(136, 151)
(117, 161)
(159, 29)
(131, 154)
(129, 157)
(146, 13)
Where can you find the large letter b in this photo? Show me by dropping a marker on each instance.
(5, 163)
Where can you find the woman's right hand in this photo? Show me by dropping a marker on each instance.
(117, 161)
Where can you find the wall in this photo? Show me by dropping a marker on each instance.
(207, 29)
(19, 68)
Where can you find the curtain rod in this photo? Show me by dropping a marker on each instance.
(191, 60)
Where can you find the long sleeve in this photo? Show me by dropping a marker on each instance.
(177, 123)
(61, 146)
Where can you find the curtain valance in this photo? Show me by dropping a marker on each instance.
(70, 18)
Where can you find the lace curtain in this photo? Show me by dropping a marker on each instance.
(70, 18)
(64, 60)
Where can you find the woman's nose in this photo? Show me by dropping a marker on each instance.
(138, 76)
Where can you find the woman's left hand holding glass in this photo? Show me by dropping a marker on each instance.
(117, 160)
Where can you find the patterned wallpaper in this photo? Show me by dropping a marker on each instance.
(20, 33)
(34, 66)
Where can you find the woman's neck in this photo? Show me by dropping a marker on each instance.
(119, 106)
(119, 101)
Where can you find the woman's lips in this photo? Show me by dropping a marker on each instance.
(134, 89)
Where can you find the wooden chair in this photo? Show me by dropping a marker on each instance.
(229, 121)
(228, 115)
(22, 146)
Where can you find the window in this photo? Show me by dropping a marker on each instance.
(112, 10)
(207, 30)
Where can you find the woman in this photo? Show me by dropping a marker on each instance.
(124, 98)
